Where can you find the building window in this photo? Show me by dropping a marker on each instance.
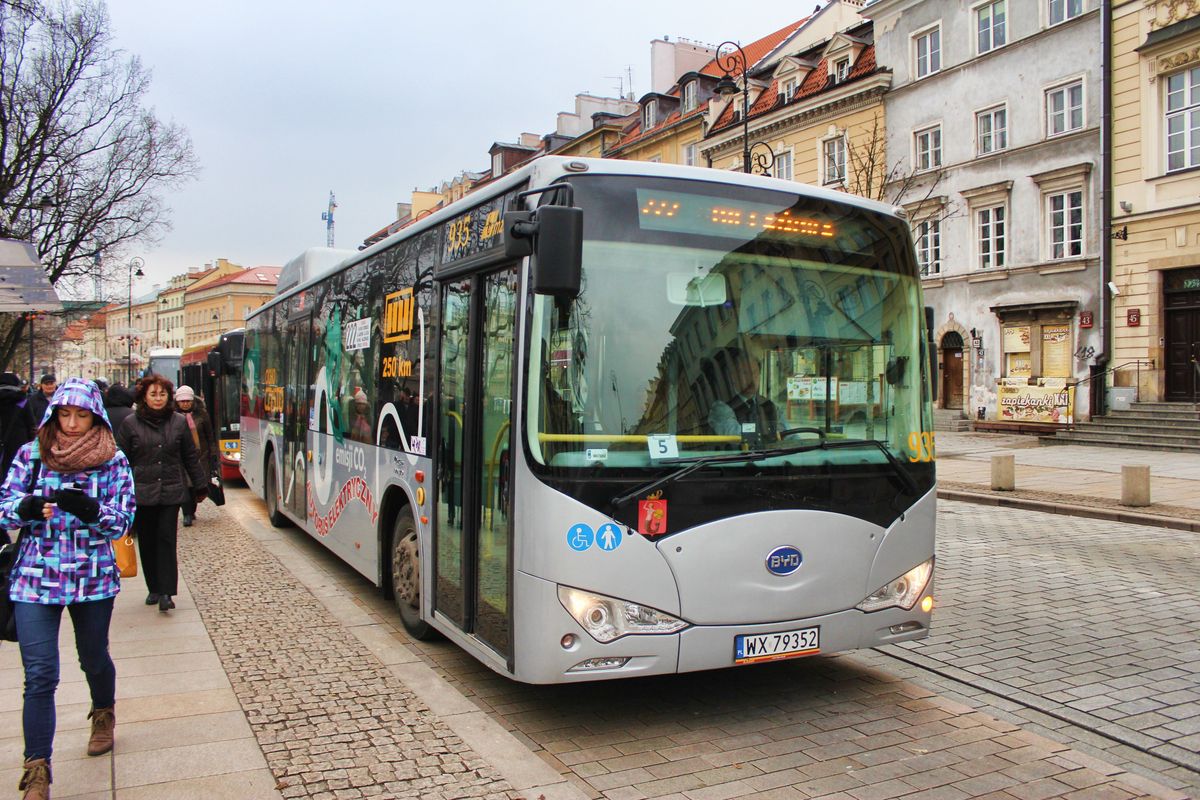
(497, 165)
(841, 69)
(783, 165)
(1066, 224)
(787, 89)
(1063, 10)
(689, 154)
(1064, 109)
(834, 160)
(928, 148)
(1183, 119)
(689, 96)
(991, 130)
(929, 246)
(991, 223)
(989, 25)
(649, 113)
(928, 52)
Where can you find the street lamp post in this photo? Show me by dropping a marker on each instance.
(135, 263)
(728, 61)
(31, 317)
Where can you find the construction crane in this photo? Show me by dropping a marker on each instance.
(328, 217)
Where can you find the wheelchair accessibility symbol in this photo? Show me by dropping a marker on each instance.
(580, 537)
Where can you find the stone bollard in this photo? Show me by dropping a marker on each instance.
(1004, 473)
(1135, 485)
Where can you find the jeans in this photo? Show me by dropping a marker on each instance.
(156, 528)
(37, 632)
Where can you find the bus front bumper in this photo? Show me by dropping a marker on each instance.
(547, 657)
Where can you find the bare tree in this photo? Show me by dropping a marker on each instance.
(872, 176)
(84, 165)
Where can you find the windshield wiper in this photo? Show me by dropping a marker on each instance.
(907, 480)
(697, 462)
(694, 463)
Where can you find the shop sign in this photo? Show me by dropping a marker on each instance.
(1036, 404)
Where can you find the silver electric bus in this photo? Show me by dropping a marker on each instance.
(605, 418)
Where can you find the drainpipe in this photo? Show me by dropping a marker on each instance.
(1098, 393)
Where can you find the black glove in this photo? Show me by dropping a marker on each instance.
(79, 504)
(30, 509)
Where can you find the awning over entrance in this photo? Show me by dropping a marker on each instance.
(23, 282)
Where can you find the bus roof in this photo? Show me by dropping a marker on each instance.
(543, 171)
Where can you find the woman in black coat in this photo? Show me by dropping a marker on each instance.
(160, 448)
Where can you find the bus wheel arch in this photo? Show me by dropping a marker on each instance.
(401, 574)
(271, 491)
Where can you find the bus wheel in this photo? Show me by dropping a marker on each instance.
(406, 577)
(272, 490)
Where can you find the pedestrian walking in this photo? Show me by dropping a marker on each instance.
(118, 402)
(15, 426)
(39, 398)
(72, 490)
(193, 410)
(163, 456)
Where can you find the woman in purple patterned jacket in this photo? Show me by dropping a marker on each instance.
(72, 489)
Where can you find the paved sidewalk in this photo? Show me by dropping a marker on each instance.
(1078, 480)
(181, 732)
(271, 680)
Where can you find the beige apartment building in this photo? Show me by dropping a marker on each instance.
(214, 305)
(1156, 188)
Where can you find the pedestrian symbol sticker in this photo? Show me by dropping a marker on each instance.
(608, 537)
(580, 537)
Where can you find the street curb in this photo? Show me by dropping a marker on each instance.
(1071, 510)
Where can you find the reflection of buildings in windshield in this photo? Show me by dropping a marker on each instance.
(822, 335)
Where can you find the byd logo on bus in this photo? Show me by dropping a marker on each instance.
(784, 560)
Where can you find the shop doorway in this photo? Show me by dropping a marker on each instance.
(951, 371)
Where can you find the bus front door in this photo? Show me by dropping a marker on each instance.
(473, 538)
(295, 416)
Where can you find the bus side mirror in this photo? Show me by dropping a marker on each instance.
(553, 235)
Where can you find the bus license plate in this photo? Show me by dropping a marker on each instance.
(749, 648)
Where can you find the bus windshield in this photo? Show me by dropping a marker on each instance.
(715, 320)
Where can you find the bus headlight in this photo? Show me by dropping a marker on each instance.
(608, 618)
(903, 592)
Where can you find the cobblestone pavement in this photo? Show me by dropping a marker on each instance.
(1095, 622)
(332, 721)
(841, 728)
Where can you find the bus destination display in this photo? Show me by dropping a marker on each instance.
(716, 216)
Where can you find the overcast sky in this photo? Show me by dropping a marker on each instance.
(286, 101)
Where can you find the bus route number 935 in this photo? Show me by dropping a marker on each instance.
(921, 446)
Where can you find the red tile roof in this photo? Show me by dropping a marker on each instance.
(818, 81)
(755, 52)
(758, 49)
(258, 276)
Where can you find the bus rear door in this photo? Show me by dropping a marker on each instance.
(296, 360)
(473, 536)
